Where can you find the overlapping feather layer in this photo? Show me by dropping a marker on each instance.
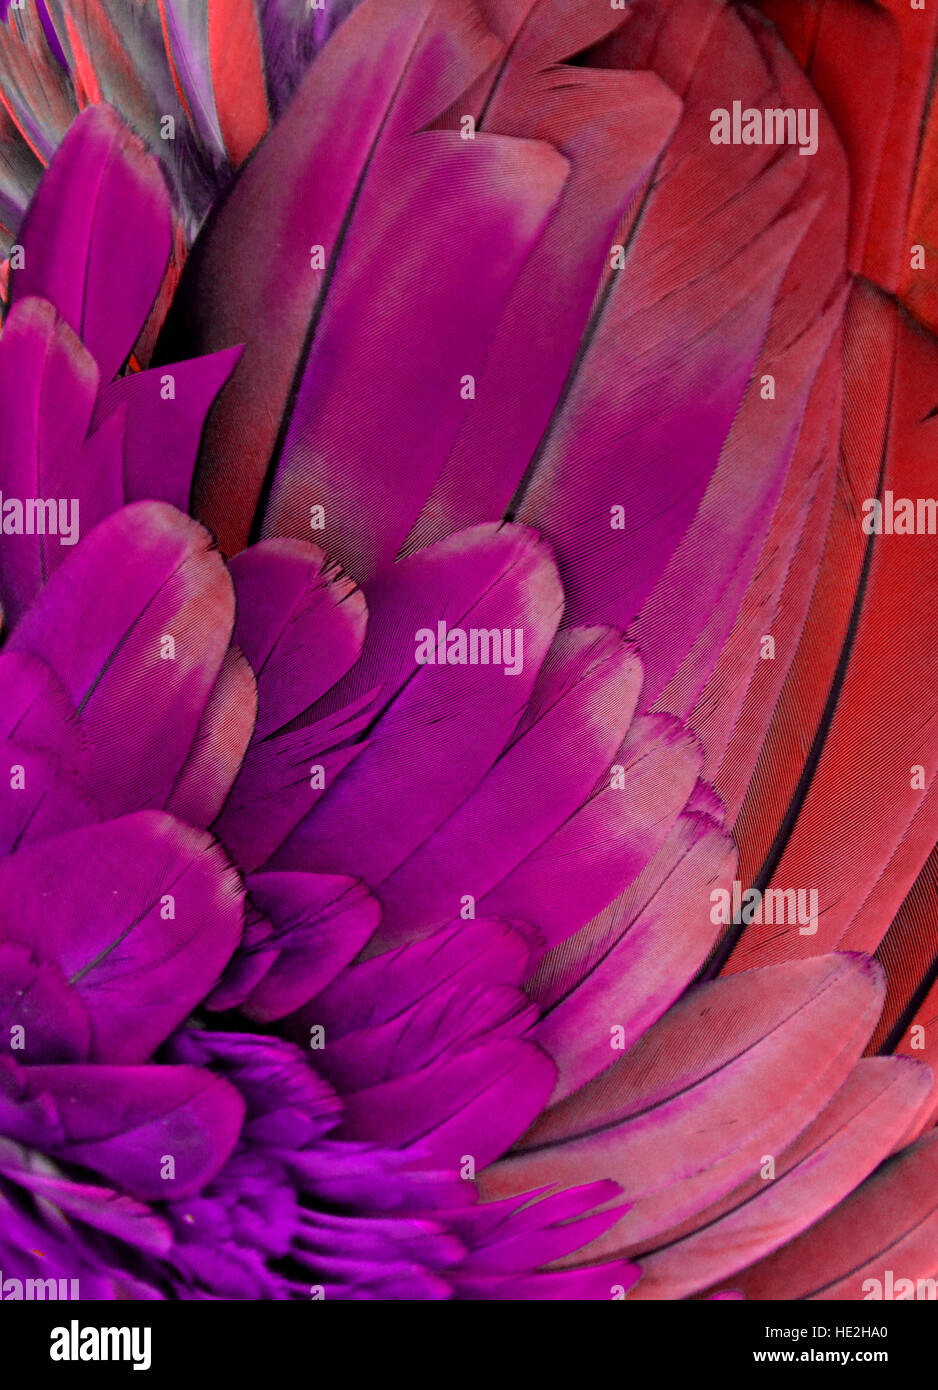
(328, 971)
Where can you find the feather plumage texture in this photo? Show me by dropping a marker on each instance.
(413, 957)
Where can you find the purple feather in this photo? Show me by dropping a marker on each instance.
(164, 415)
(346, 426)
(477, 1102)
(218, 745)
(291, 602)
(47, 389)
(270, 794)
(122, 1122)
(588, 687)
(611, 127)
(140, 948)
(97, 237)
(389, 71)
(440, 1024)
(645, 964)
(35, 996)
(374, 991)
(486, 578)
(173, 586)
(320, 923)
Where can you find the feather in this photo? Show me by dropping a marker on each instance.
(602, 450)
(498, 1232)
(35, 709)
(438, 1025)
(829, 840)
(574, 1041)
(560, 1285)
(164, 415)
(291, 602)
(684, 1203)
(42, 796)
(588, 860)
(739, 508)
(33, 86)
(372, 992)
(146, 342)
(348, 444)
(320, 923)
(103, 1210)
(563, 966)
(796, 538)
(387, 1032)
(20, 171)
(769, 190)
(302, 191)
(47, 390)
(43, 745)
(139, 950)
(687, 618)
(796, 719)
(119, 56)
(725, 1080)
(917, 287)
(36, 997)
(91, 41)
(537, 33)
(652, 956)
(121, 1122)
(612, 128)
(280, 780)
(589, 684)
(830, 1159)
(477, 1103)
(489, 579)
(907, 954)
(218, 745)
(236, 60)
(96, 475)
(100, 220)
(888, 1224)
(186, 36)
(249, 964)
(52, 34)
(853, 52)
(175, 588)
(291, 35)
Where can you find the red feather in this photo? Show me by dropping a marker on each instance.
(237, 65)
